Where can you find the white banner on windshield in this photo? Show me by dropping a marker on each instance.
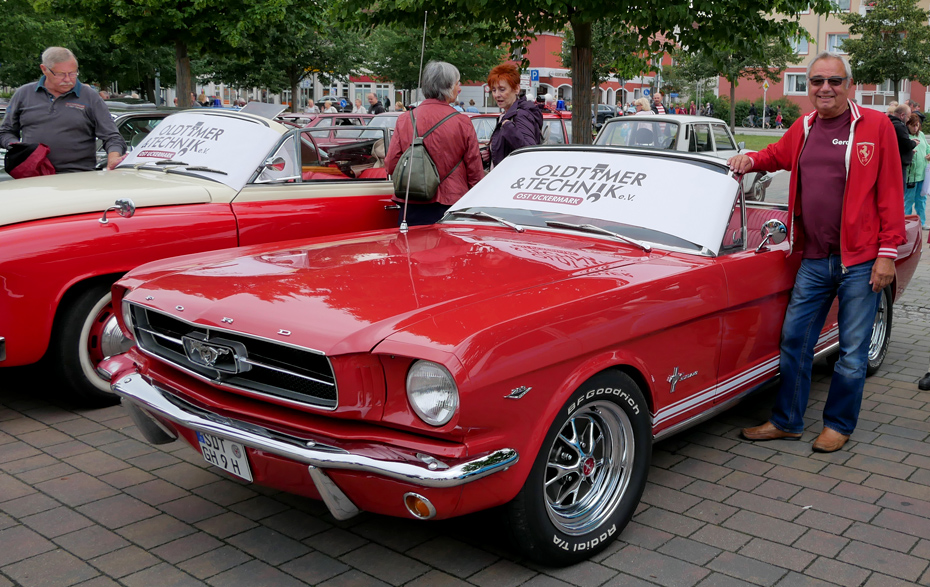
(230, 143)
(673, 196)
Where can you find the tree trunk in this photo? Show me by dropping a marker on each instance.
(294, 78)
(148, 88)
(582, 83)
(183, 69)
(897, 98)
(733, 107)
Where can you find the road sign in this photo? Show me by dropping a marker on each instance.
(534, 75)
(646, 91)
(525, 81)
(765, 85)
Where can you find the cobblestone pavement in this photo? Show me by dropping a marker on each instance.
(83, 501)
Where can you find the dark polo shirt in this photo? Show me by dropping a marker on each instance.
(69, 124)
(823, 183)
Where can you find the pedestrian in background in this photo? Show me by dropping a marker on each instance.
(657, 106)
(692, 109)
(64, 114)
(643, 106)
(359, 109)
(453, 145)
(851, 225)
(374, 105)
(914, 197)
(899, 115)
(752, 114)
(521, 122)
(472, 107)
(328, 108)
(779, 121)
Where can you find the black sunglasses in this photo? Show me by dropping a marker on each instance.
(834, 81)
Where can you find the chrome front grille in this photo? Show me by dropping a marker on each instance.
(234, 360)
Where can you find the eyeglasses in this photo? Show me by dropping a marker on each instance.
(64, 74)
(834, 81)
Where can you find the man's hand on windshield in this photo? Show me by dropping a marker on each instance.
(740, 163)
(114, 159)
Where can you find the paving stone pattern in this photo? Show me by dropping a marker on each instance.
(84, 501)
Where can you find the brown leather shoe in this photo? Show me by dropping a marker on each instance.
(768, 431)
(829, 441)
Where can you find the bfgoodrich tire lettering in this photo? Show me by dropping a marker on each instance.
(589, 474)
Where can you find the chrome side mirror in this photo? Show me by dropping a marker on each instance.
(124, 207)
(276, 164)
(773, 231)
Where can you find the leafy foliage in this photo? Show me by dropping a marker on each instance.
(663, 25)
(616, 50)
(894, 43)
(394, 53)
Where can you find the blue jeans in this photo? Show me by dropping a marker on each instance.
(818, 282)
(914, 199)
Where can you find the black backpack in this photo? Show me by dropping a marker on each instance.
(415, 176)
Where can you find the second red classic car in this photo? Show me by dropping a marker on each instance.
(525, 352)
(200, 180)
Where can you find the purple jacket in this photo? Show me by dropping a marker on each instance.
(520, 126)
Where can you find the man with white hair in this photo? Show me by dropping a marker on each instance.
(64, 114)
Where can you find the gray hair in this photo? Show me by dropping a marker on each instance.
(439, 79)
(831, 55)
(902, 111)
(55, 55)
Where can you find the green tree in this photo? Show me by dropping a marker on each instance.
(25, 35)
(662, 24)
(691, 76)
(188, 26)
(615, 51)
(773, 51)
(894, 43)
(280, 55)
(394, 53)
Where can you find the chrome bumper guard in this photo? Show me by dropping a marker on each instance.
(409, 466)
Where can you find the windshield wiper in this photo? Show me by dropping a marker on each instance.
(169, 162)
(204, 168)
(486, 216)
(599, 230)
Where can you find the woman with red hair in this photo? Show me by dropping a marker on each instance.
(520, 124)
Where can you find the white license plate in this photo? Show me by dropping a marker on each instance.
(229, 456)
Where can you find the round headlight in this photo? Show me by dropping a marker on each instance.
(432, 392)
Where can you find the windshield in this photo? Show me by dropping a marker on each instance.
(379, 122)
(639, 131)
(672, 202)
(205, 143)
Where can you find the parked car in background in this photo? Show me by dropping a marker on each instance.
(133, 126)
(680, 132)
(601, 113)
(336, 102)
(202, 179)
(515, 354)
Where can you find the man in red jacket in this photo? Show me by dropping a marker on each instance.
(846, 201)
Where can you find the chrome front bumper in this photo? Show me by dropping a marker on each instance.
(145, 400)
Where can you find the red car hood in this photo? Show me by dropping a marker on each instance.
(347, 296)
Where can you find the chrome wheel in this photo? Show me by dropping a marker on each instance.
(100, 338)
(589, 467)
(879, 329)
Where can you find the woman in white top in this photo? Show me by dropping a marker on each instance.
(358, 107)
(643, 107)
(328, 108)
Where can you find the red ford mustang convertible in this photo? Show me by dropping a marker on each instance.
(576, 305)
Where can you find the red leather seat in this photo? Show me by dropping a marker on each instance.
(373, 173)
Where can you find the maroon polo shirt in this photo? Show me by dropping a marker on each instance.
(822, 170)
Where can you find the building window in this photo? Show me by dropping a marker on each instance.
(835, 42)
(840, 5)
(795, 83)
(800, 45)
